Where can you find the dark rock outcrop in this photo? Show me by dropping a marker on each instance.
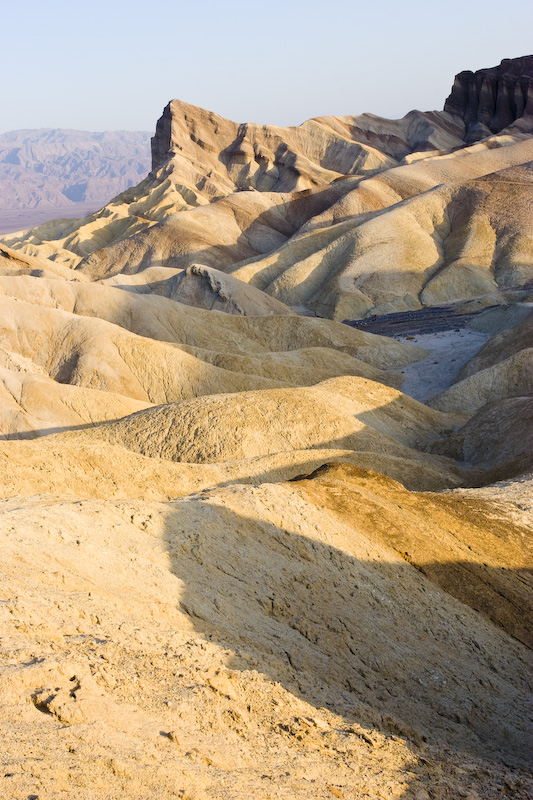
(161, 141)
(491, 99)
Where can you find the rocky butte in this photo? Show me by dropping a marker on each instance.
(249, 550)
(490, 100)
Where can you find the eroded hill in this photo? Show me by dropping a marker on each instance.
(241, 557)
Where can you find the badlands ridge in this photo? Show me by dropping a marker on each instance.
(249, 550)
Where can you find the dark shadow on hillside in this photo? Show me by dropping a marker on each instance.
(376, 642)
(265, 234)
(39, 433)
(237, 155)
(393, 439)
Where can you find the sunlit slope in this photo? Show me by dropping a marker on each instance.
(73, 353)
(447, 225)
(295, 630)
(342, 413)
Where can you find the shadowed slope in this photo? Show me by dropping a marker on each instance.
(256, 631)
(154, 350)
(342, 413)
(499, 437)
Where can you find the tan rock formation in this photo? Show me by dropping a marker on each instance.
(238, 560)
(268, 630)
(342, 413)
(81, 466)
(420, 222)
(14, 263)
(205, 287)
(499, 437)
(151, 349)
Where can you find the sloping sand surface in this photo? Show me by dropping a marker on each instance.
(248, 551)
(197, 662)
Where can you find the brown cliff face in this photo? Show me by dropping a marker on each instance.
(490, 100)
(344, 217)
(220, 156)
(216, 156)
(161, 141)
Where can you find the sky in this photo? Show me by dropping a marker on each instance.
(115, 64)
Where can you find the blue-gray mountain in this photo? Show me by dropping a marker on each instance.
(53, 167)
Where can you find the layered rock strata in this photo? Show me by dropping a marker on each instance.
(490, 100)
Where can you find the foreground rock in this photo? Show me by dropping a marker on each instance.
(197, 664)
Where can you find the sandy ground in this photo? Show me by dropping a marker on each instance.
(258, 642)
(448, 353)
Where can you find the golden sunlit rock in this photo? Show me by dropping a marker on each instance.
(249, 551)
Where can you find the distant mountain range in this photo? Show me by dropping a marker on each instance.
(57, 168)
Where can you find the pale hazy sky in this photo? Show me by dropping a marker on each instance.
(114, 64)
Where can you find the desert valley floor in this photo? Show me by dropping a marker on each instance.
(265, 454)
